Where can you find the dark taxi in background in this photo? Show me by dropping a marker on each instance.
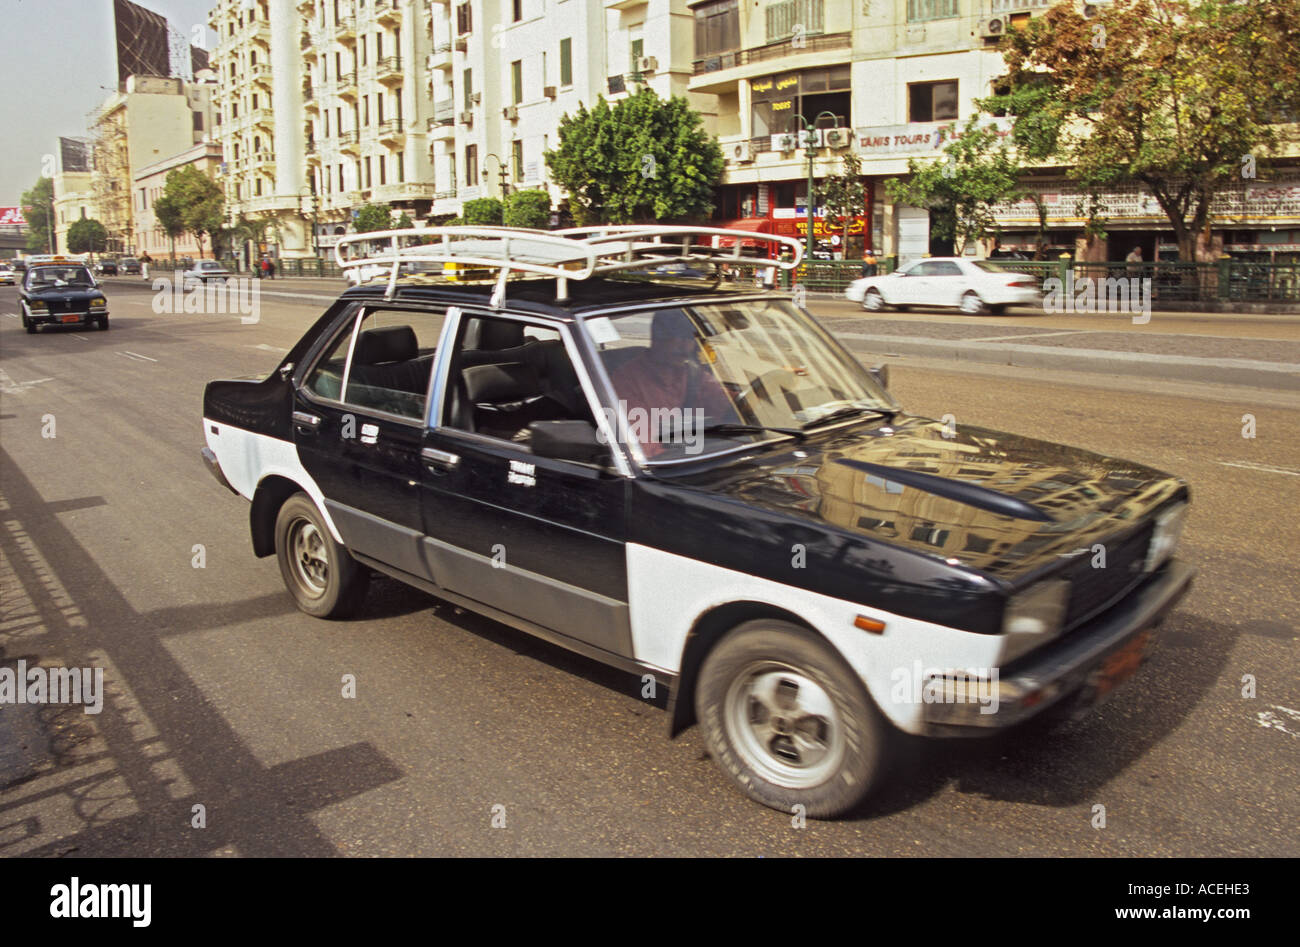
(63, 294)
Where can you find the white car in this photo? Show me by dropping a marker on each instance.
(204, 270)
(973, 286)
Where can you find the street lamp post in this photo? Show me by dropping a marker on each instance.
(501, 171)
(809, 127)
(310, 190)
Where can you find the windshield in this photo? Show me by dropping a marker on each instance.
(46, 276)
(686, 378)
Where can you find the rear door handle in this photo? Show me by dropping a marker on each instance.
(304, 420)
(440, 459)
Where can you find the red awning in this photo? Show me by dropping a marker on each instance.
(749, 224)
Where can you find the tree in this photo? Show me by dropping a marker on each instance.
(40, 216)
(373, 217)
(1181, 96)
(87, 235)
(843, 195)
(170, 219)
(978, 172)
(640, 160)
(531, 208)
(483, 212)
(200, 201)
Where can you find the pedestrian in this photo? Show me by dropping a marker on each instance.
(1134, 261)
(145, 260)
(262, 266)
(270, 268)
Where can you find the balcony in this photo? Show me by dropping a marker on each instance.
(349, 142)
(305, 40)
(444, 110)
(391, 133)
(260, 73)
(389, 70)
(347, 86)
(345, 30)
(261, 118)
(309, 99)
(259, 159)
(310, 152)
(819, 50)
(388, 12)
(441, 57)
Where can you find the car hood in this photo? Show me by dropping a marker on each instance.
(1004, 505)
(74, 293)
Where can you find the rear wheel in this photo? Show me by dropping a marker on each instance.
(789, 721)
(323, 578)
(972, 305)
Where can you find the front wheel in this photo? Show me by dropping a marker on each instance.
(102, 323)
(789, 721)
(323, 578)
(873, 301)
(29, 326)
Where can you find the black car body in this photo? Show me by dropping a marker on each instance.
(62, 294)
(107, 267)
(805, 588)
(129, 266)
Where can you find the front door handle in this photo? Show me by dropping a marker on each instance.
(440, 459)
(309, 421)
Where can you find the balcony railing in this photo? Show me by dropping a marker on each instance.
(389, 69)
(743, 57)
(444, 111)
(390, 130)
(1010, 6)
(388, 12)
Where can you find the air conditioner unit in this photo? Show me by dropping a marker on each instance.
(647, 64)
(810, 138)
(462, 44)
(783, 143)
(466, 117)
(511, 112)
(548, 91)
(477, 98)
(993, 27)
(741, 151)
(837, 137)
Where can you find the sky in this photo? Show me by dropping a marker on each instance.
(59, 62)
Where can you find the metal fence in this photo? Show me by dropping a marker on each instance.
(1176, 281)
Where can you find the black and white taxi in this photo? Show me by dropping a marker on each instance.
(63, 294)
(687, 477)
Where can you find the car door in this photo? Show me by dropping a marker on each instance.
(359, 421)
(944, 283)
(536, 538)
(909, 287)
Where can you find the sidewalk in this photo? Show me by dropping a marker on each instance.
(1260, 351)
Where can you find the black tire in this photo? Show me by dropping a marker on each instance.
(873, 301)
(102, 324)
(321, 576)
(848, 752)
(972, 305)
(29, 326)
(997, 310)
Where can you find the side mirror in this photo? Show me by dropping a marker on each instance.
(568, 440)
(881, 374)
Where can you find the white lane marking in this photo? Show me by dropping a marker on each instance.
(1271, 721)
(79, 338)
(271, 348)
(1034, 335)
(1262, 468)
(137, 356)
(12, 315)
(10, 387)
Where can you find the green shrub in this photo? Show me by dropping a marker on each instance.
(528, 209)
(483, 212)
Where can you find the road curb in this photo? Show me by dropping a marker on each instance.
(1245, 372)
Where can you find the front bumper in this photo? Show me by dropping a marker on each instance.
(66, 318)
(1079, 666)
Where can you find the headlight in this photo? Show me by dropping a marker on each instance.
(1034, 616)
(36, 305)
(1169, 527)
(101, 301)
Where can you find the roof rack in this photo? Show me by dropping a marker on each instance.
(577, 253)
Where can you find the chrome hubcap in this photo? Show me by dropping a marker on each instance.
(310, 562)
(784, 726)
(874, 302)
(971, 303)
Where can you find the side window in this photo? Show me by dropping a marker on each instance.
(391, 362)
(506, 375)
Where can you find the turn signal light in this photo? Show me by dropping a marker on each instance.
(869, 624)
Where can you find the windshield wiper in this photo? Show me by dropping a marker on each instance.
(796, 433)
(839, 414)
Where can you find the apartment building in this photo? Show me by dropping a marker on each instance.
(74, 199)
(149, 184)
(146, 120)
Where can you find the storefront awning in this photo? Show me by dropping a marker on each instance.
(749, 224)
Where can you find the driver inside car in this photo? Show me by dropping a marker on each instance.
(667, 381)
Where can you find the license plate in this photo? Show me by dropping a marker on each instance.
(70, 318)
(1119, 666)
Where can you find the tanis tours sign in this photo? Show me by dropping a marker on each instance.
(917, 138)
(1264, 203)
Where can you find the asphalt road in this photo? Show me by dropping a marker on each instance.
(221, 695)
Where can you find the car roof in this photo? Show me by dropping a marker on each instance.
(585, 296)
